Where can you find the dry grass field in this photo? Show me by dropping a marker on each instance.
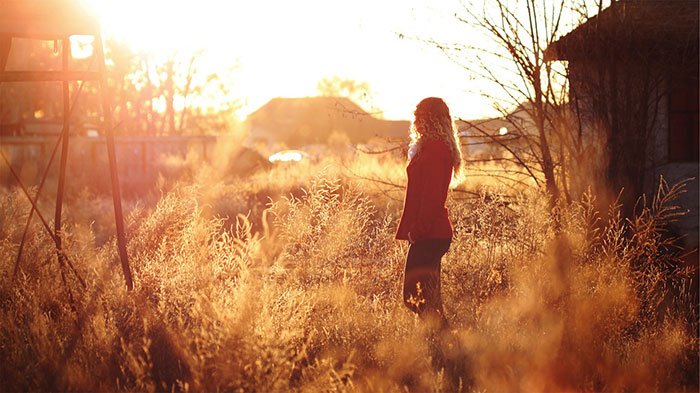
(288, 279)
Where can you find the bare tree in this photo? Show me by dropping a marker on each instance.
(512, 59)
(359, 92)
(146, 91)
(191, 71)
(168, 92)
(590, 120)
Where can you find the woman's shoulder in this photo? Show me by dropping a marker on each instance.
(435, 146)
(433, 152)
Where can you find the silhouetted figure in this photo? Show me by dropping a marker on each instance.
(434, 156)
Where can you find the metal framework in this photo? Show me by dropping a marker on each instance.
(58, 21)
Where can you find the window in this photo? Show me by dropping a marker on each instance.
(683, 117)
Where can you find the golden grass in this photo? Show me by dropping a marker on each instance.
(289, 279)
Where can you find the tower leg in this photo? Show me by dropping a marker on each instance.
(65, 52)
(114, 177)
(64, 148)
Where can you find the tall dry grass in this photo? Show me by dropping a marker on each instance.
(290, 280)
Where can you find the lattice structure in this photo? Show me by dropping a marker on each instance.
(57, 21)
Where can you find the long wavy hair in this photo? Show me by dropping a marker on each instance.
(433, 121)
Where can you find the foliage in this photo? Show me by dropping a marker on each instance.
(303, 294)
(150, 95)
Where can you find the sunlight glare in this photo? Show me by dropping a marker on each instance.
(287, 156)
(284, 48)
(81, 46)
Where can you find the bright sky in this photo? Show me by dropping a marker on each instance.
(284, 48)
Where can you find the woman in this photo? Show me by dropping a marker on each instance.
(435, 157)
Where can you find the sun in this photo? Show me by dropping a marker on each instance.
(283, 48)
(156, 26)
(278, 53)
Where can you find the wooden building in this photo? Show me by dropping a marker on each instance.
(633, 73)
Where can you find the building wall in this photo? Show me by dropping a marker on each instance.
(660, 166)
(656, 161)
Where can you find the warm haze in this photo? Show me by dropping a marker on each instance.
(282, 49)
(243, 199)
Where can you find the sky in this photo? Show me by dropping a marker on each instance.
(283, 48)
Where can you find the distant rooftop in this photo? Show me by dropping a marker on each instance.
(305, 120)
(283, 106)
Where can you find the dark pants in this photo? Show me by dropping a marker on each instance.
(421, 285)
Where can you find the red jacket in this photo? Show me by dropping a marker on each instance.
(424, 212)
